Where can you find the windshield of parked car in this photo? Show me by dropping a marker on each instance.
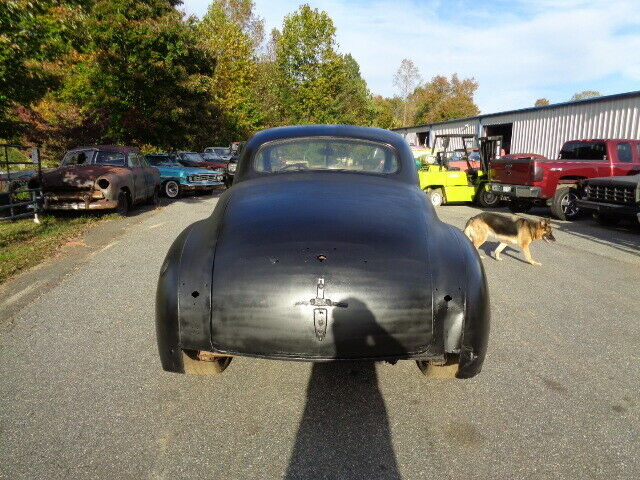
(326, 154)
(221, 151)
(192, 157)
(78, 157)
(162, 161)
(116, 159)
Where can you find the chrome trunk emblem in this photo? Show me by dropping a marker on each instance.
(320, 317)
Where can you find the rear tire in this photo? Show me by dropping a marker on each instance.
(436, 197)
(123, 204)
(563, 204)
(447, 370)
(606, 220)
(520, 206)
(487, 198)
(193, 366)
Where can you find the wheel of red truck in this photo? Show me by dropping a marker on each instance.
(445, 370)
(212, 366)
(606, 220)
(123, 204)
(563, 204)
(436, 197)
(517, 205)
(172, 189)
(487, 198)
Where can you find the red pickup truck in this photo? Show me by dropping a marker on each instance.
(528, 179)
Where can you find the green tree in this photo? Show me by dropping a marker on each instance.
(585, 95)
(140, 79)
(315, 83)
(385, 111)
(34, 36)
(541, 102)
(232, 34)
(444, 99)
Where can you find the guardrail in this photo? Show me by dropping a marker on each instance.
(15, 194)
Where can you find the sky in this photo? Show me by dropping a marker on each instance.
(517, 50)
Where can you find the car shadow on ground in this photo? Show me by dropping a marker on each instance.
(624, 237)
(344, 432)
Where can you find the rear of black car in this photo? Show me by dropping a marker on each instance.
(612, 198)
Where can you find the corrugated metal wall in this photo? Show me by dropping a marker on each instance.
(544, 131)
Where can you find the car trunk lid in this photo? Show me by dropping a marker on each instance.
(322, 270)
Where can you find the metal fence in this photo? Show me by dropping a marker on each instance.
(17, 199)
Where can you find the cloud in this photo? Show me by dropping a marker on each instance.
(517, 50)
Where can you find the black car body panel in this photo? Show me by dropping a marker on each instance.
(321, 265)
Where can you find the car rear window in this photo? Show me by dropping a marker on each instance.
(583, 151)
(326, 154)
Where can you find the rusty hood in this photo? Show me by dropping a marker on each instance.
(78, 176)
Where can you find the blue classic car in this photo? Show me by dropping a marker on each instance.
(177, 178)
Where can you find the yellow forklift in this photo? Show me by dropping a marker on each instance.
(456, 176)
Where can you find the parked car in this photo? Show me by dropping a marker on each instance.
(103, 177)
(529, 179)
(324, 249)
(222, 152)
(176, 178)
(215, 158)
(196, 160)
(611, 199)
(230, 171)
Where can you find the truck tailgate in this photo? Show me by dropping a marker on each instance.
(513, 171)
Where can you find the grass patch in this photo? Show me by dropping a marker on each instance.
(24, 243)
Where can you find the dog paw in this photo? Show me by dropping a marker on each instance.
(499, 259)
(537, 264)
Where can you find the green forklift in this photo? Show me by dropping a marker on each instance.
(458, 177)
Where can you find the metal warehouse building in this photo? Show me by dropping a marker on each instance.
(543, 130)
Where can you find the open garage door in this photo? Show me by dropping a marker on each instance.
(423, 139)
(503, 130)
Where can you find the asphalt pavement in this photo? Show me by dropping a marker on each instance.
(83, 395)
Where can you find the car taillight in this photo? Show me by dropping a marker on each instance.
(538, 172)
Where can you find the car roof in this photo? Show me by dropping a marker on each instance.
(107, 148)
(406, 172)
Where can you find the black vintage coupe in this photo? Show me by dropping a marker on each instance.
(325, 249)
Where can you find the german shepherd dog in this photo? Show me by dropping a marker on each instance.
(509, 231)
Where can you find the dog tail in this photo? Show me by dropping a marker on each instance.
(468, 229)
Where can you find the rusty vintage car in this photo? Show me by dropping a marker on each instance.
(101, 178)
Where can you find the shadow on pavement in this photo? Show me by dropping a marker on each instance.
(624, 237)
(344, 432)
